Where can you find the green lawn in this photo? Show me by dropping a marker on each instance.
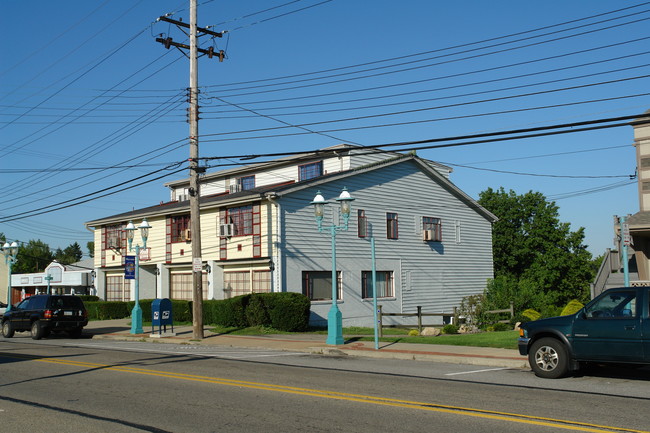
(504, 339)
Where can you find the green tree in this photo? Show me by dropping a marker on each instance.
(34, 256)
(538, 260)
(91, 249)
(71, 254)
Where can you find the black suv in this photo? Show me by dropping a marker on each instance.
(42, 314)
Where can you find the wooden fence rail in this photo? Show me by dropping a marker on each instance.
(510, 310)
(419, 314)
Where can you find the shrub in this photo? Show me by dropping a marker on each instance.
(551, 311)
(531, 314)
(413, 333)
(89, 298)
(571, 308)
(288, 311)
(501, 327)
(102, 310)
(230, 312)
(281, 311)
(257, 311)
(182, 310)
(471, 308)
(450, 329)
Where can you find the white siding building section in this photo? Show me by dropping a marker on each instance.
(433, 275)
(289, 253)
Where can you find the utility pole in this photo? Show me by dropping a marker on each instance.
(195, 170)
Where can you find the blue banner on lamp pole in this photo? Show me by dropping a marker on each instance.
(129, 267)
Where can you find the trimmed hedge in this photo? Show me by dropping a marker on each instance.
(282, 311)
(102, 310)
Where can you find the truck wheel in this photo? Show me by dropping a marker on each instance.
(37, 330)
(549, 358)
(7, 329)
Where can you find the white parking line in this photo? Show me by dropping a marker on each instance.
(477, 371)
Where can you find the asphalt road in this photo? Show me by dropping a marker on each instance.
(84, 386)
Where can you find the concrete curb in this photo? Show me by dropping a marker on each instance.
(491, 357)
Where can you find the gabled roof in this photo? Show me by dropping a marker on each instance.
(238, 171)
(180, 207)
(424, 165)
(640, 220)
(285, 188)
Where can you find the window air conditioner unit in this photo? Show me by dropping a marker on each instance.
(186, 235)
(429, 235)
(183, 197)
(226, 230)
(235, 187)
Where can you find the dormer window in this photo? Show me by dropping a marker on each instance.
(246, 182)
(242, 184)
(310, 171)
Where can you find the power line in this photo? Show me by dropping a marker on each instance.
(383, 74)
(85, 198)
(533, 132)
(103, 59)
(420, 91)
(282, 121)
(523, 86)
(54, 170)
(68, 203)
(518, 173)
(277, 16)
(82, 158)
(411, 122)
(582, 192)
(439, 49)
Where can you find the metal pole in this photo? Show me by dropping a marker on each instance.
(195, 223)
(381, 318)
(624, 239)
(374, 290)
(136, 313)
(334, 318)
(10, 262)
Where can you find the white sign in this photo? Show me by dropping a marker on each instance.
(198, 264)
(627, 239)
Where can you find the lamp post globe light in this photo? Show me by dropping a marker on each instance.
(334, 317)
(10, 252)
(136, 313)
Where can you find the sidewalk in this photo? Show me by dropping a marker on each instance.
(120, 329)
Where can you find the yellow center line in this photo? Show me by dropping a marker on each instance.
(384, 401)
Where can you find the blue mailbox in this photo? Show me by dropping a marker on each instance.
(161, 315)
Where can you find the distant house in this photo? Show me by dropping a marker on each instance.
(258, 234)
(611, 272)
(639, 223)
(73, 279)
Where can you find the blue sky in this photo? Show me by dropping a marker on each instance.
(89, 100)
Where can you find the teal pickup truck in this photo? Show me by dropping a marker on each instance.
(613, 328)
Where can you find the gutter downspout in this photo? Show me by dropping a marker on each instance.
(274, 245)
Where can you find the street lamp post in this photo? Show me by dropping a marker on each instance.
(136, 313)
(334, 317)
(48, 278)
(10, 252)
